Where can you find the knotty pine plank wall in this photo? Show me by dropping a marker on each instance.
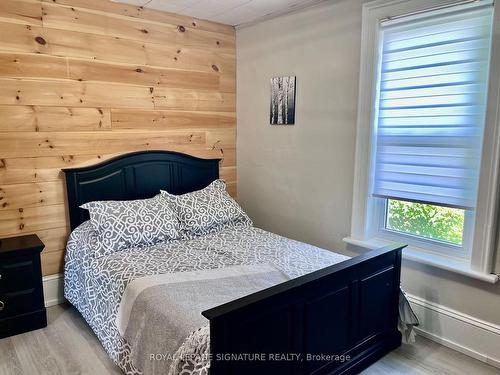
(84, 80)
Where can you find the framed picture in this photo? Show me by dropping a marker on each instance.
(282, 100)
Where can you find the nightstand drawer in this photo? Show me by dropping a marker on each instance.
(17, 274)
(21, 302)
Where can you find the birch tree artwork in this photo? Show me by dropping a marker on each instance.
(283, 100)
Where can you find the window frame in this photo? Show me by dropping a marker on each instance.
(366, 213)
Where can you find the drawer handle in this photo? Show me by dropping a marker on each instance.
(2, 306)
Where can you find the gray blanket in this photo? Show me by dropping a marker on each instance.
(159, 312)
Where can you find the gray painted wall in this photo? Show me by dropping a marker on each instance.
(297, 180)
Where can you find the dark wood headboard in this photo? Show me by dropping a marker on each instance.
(137, 175)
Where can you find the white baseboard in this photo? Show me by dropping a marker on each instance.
(53, 289)
(464, 333)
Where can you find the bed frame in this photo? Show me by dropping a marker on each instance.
(337, 320)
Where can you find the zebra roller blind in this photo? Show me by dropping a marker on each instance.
(431, 106)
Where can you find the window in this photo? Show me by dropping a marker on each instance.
(429, 124)
(437, 223)
(423, 122)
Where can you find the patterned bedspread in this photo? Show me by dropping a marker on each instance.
(95, 285)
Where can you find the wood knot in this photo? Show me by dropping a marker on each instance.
(179, 51)
(151, 90)
(218, 43)
(40, 40)
(138, 70)
(175, 58)
(215, 67)
(181, 28)
(194, 24)
(144, 31)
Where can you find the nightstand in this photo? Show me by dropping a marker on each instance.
(22, 307)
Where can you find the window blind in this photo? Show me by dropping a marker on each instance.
(431, 107)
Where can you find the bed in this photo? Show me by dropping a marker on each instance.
(311, 311)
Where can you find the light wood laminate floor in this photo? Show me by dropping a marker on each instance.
(68, 346)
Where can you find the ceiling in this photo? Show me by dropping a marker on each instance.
(231, 12)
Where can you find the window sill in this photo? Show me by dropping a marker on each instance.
(435, 260)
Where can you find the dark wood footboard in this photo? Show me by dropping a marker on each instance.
(337, 320)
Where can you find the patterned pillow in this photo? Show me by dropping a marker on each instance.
(123, 224)
(207, 210)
